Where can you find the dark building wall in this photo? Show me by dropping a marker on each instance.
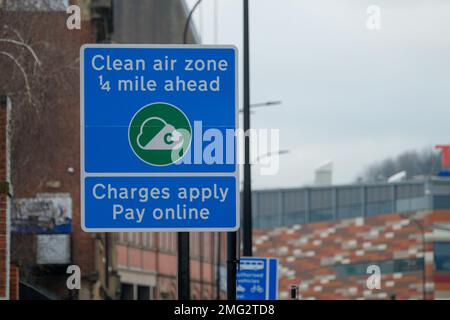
(46, 121)
(150, 21)
(45, 142)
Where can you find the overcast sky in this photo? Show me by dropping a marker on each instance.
(350, 95)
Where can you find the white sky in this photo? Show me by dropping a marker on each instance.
(349, 94)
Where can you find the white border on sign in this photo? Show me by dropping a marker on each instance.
(276, 276)
(267, 260)
(84, 174)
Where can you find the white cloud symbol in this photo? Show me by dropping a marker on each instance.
(168, 138)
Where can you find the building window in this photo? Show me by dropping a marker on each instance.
(127, 291)
(348, 212)
(379, 208)
(441, 252)
(321, 205)
(297, 217)
(163, 241)
(123, 237)
(194, 247)
(207, 243)
(172, 242)
(143, 293)
(167, 241)
(321, 215)
(149, 240)
(390, 266)
(135, 237)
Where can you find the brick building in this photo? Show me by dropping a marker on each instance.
(147, 264)
(46, 109)
(327, 237)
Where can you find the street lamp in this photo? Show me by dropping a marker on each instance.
(247, 209)
(262, 104)
(188, 21)
(184, 279)
(271, 153)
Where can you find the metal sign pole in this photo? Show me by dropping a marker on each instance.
(184, 283)
(247, 192)
(231, 265)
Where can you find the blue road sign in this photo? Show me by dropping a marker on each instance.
(257, 279)
(158, 138)
(444, 173)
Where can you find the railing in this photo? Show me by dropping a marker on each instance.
(272, 208)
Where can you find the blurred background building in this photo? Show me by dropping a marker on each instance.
(327, 237)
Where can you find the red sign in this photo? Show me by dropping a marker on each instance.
(445, 154)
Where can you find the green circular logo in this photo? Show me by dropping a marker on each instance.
(159, 134)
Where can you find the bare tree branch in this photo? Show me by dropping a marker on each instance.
(27, 83)
(17, 33)
(30, 49)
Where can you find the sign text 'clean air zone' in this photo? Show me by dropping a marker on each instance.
(158, 138)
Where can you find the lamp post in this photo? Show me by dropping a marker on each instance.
(247, 225)
(247, 196)
(247, 183)
(247, 206)
(184, 279)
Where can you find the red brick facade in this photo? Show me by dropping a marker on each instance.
(49, 161)
(323, 258)
(150, 259)
(14, 283)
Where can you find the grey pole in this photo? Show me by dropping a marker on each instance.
(231, 265)
(184, 283)
(247, 214)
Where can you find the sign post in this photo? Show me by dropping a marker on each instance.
(257, 279)
(158, 138)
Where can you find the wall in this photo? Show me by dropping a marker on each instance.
(48, 117)
(162, 23)
(328, 260)
(150, 259)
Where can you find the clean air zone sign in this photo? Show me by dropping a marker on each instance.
(158, 138)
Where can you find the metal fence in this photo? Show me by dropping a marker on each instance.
(272, 208)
